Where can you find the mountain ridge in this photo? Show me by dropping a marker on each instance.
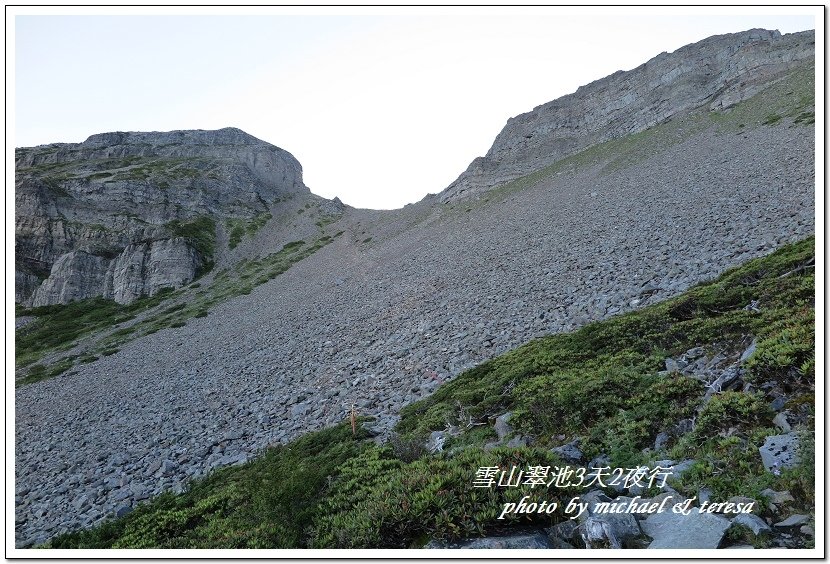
(719, 71)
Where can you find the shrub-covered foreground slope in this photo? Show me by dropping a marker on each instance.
(616, 386)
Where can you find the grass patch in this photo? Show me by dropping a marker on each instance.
(59, 326)
(238, 228)
(771, 119)
(40, 372)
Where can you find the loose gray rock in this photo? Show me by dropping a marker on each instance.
(436, 441)
(779, 451)
(780, 421)
(752, 522)
(567, 530)
(696, 530)
(681, 468)
(502, 427)
(569, 452)
(750, 350)
(615, 529)
(792, 522)
(778, 498)
(517, 442)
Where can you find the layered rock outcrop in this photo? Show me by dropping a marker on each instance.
(717, 73)
(103, 217)
(142, 269)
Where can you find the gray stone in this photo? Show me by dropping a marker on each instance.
(792, 522)
(76, 275)
(779, 451)
(567, 530)
(569, 452)
(616, 529)
(661, 441)
(300, 409)
(778, 498)
(592, 498)
(436, 441)
(167, 467)
(110, 214)
(680, 468)
(502, 427)
(517, 442)
(696, 530)
(750, 350)
(684, 426)
(730, 378)
(745, 501)
(234, 434)
(599, 462)
(780, 421)
(752, 522)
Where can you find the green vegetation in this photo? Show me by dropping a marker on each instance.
(58, 327)
(238, 228)
(600, 384)
(326, 489)
(163, 169)
(379, 500)
(39, 372)
(771, 119)
(201, 234)
(268, 503)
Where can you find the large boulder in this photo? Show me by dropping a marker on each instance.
(779, 451)
(695, 530)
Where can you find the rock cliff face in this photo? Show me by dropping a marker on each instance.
(718, 72)
(116, 216)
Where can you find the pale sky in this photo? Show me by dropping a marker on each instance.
(379, 109)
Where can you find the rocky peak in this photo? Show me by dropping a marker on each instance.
(715, 73)
(105, 217)
(225, 136)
